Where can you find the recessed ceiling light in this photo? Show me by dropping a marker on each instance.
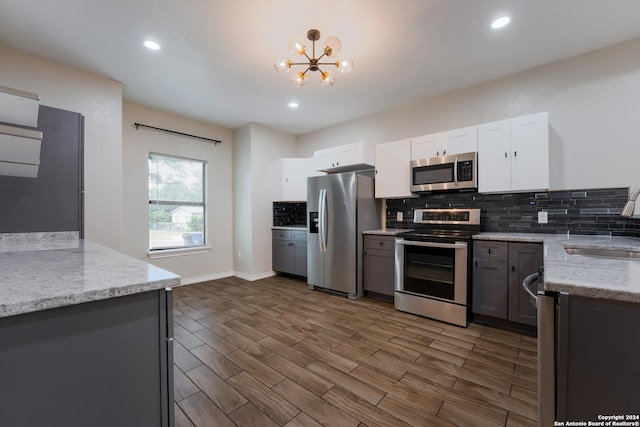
(150, 44)
(293, 105)
(500, 22)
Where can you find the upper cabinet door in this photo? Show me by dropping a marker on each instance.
(530, 152)
(426, 146)
(393, 161)
(494, 158)
(324, 159)
(457, 141)
(350, 154)
(290, 180)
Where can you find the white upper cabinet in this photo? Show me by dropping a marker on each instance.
(530, 152)
(393, 161)
(290, 180)
(425, 146)
(494, 161)
(457, 141)
(344, 158)
(513, 155)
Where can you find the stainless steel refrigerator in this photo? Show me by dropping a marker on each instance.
(339, 207)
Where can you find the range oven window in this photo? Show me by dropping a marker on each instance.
(430, 271)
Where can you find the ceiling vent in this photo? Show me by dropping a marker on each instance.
(18, 107)
(19, 147)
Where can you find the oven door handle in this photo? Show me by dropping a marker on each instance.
(432, 244)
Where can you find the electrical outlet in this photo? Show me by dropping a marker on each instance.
(543, 217)
(239, 254)
(399, 216)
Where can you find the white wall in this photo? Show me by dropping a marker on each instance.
(216, 263)
(99, 99)
(593, 102)
(242, 201)
(254, 160)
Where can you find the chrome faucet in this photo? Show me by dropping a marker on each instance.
(630, 207)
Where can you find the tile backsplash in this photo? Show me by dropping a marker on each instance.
(289, 214)
(590, 211)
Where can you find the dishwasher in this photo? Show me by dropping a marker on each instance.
(547, 313)
(587, 357)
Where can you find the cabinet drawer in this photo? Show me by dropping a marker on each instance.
(386, 243)
(281, 234)
(486, 249)
(299, 236)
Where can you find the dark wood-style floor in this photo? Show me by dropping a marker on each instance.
(274, 353)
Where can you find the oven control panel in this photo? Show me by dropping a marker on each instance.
(446, 216)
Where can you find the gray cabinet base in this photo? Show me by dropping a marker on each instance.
(105, 363)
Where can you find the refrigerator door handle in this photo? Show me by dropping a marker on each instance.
(323, 220)
(320, 215)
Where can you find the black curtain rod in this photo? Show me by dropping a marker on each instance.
(215, 141)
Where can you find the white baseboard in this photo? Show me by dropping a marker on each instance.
(199, 279)
(254, 277)
(244, 276)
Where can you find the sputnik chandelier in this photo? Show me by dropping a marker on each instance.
(332, 48)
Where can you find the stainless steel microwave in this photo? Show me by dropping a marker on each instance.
(451, 172)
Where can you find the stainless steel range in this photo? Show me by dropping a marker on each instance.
(433, 264)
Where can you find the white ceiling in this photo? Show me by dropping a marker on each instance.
(216, 61)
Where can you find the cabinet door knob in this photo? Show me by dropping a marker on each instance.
(505, 154)
(513, 268)
(489, 250)
(515, 154)
(476, 264)
(444, 152)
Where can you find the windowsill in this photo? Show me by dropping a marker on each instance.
(169, 253)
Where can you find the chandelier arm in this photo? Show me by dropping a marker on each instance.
(325, 63)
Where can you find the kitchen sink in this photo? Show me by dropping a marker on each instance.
(603, 252)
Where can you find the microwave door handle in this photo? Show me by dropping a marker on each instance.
(455, 171)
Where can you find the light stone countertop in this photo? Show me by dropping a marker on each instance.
(42, 273)
(589, 276)
(387, 231)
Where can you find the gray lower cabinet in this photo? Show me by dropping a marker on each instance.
(102, 364)
(378, 264)
(289, 251)
(597, 369)
(498, 271)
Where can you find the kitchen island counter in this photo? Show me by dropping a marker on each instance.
(589, 276)
(49, 272)
(86, 332)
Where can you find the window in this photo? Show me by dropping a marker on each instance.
(177, 209)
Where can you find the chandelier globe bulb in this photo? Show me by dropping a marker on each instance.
(344, 65)
(327, 79)
(332, 46)
(299, 79)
